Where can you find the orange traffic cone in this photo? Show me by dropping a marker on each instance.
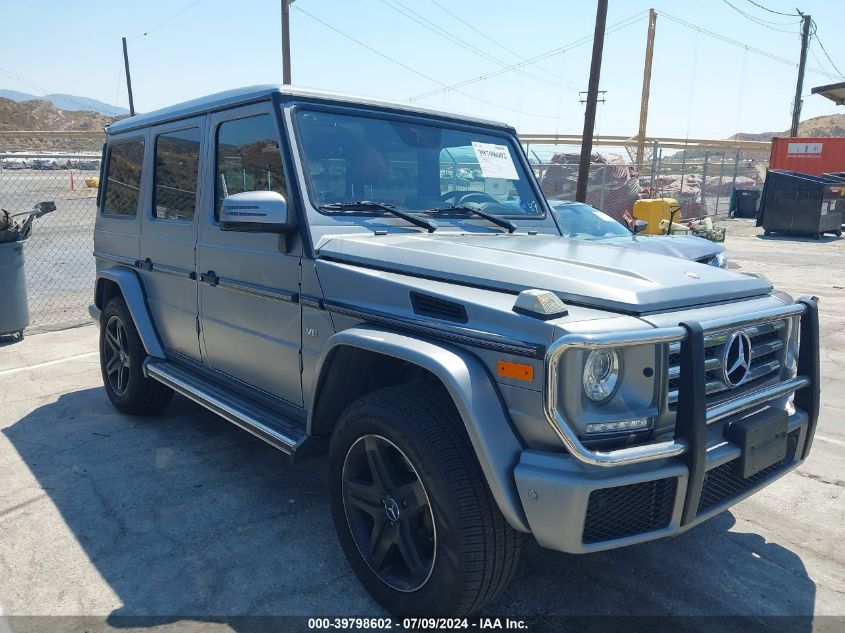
(71, 181)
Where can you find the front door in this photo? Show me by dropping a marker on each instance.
(249, 282)
(169, 233)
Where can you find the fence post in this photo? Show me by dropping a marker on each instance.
(733, 181)
(655, 149)
(704, 180)
(681, 189)
(719, 189)
(603, 186)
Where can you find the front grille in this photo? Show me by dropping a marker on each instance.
(614, 513)
(768, 345)
(722, 483)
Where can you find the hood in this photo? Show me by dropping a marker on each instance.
(683, 246)
(583, 273)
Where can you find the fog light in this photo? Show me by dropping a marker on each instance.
(624, 425)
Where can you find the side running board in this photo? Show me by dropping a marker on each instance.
(262, 422)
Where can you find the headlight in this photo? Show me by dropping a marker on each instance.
(601, 374)
(719, 260)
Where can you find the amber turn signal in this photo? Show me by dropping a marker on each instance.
(515, 370)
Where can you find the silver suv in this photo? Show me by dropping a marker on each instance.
(387, 284)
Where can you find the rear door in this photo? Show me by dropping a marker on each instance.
(249, 282)
(169, 234)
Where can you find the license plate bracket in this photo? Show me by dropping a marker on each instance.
(761, 438)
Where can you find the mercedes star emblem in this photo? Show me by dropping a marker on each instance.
(736, 359)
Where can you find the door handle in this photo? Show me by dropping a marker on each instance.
(209, 278)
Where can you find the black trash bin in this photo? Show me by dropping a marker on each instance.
(801, 204)
(745, 203)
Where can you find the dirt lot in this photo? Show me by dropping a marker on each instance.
(185, 516)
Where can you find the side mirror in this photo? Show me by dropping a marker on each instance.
(257, 212)
(640, 226)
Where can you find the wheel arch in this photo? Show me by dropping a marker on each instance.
(348, 368)
(125, 282)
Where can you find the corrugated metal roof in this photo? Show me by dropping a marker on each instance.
(252, 94)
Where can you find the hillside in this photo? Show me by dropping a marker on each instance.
(39, 114)
(827, 125)
(66, 102)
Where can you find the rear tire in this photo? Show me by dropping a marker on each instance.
(466, 552)
(122, 356)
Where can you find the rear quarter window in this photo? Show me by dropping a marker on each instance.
(177, 157)
(123, 178)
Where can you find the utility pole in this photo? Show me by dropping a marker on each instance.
(286, 41)
(796, 107)
(649, 54)
(592, 103)
(128, 79)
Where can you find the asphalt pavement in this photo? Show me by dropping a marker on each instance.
(184, 516)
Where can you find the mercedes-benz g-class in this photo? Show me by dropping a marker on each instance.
(387, 284)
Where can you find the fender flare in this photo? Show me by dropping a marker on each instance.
(494, 441)
(133, 293)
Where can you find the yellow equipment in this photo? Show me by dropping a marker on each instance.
(653, 211)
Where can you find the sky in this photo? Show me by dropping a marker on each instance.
(702, 86)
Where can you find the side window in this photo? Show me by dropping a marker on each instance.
(248, 158)
(123, 178)
(177, 157)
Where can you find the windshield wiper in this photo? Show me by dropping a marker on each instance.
(365, 205)
(495, 219)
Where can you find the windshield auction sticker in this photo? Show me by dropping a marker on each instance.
(495, 161)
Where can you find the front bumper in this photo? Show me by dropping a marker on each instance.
(587, 501)
(577, 508)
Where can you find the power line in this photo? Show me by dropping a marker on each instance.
(44, 91)
(762, 23)
(472, 27)
(757, 4)
(170, 19)
(824, 50)
(420, 73)
(434, 28)
(743, 45)
(557, 51)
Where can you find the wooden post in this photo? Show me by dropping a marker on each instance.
(286, 42)
(592, 103)
(649, 53)
(796, 107)
(128, 79)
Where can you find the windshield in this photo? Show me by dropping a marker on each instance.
(414, 167)
(583, 222)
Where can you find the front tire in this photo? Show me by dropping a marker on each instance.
(412, 508)
(122, 355)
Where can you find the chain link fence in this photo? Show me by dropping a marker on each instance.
(701, 180)
(59, 263)
(36, 167)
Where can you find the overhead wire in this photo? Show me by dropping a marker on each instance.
(167, 21)
(757, 4)
(763, 23)
(824, 50)
(44, 91)
(556, 51)
(505, 48)
(415, 71)
(416, 17)
(758, 51)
